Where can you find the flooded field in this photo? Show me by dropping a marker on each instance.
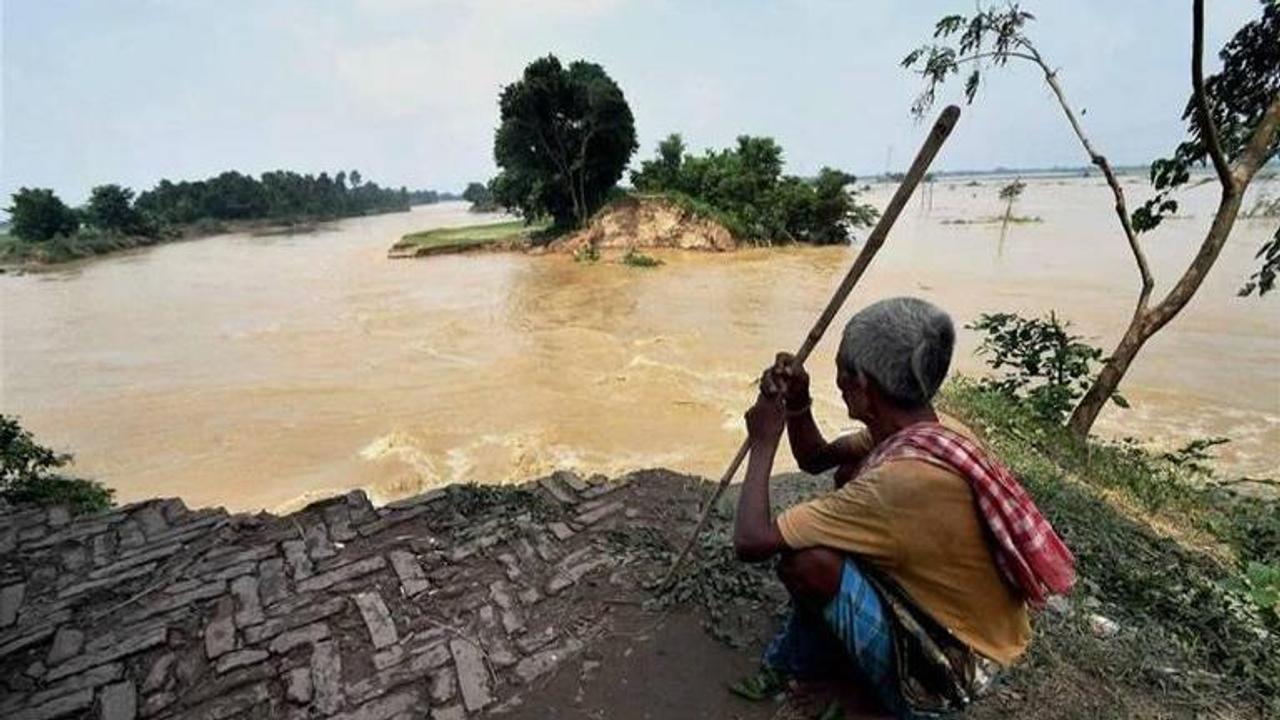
(257, 372)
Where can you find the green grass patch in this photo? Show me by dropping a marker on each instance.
(63, 248)
(470, 236)
(635, 258)
(1183, 565)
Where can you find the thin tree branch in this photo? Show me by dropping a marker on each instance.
(985, 55)
(1122, 211)
(1208, 129)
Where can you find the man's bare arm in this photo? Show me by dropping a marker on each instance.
(755, 534)
(812, 452)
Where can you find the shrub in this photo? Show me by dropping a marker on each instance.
(1044, 364)
(29, 473)
(586, 253)
(634, 258)
(743, 188)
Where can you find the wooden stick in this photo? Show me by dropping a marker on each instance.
(938, 135)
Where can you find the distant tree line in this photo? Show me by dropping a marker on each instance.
(744, 188)
(279, 194)
(38, 215)
(430, 197)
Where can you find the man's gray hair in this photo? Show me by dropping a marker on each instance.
(904, 345)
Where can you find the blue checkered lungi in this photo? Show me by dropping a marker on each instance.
(853, 629)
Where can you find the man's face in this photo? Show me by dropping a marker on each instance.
(853, 388)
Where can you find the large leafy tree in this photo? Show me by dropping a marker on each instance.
(564, 138)
(37, 215)
(111, 208)
(1233, 125)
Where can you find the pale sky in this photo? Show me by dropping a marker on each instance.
(130, 91)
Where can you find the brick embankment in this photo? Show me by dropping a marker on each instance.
(444, 605)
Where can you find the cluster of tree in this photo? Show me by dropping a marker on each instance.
(38, 215)
(1233, 126)
(745, 189)
(566, 134)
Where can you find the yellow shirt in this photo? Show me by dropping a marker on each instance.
(917, 523)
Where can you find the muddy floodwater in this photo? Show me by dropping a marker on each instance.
(257, 372)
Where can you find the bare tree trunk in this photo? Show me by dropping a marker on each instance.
(1147, 322)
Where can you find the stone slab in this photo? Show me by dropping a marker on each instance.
(305, 635)
(473, 676)
(444, 686)
(240, 658)
(248, 605)
(104, 582)
(326, 677)
(317, 541)
(129, 645)
(89, 679)
(220, 632)
(391, 520)
(382, 629)
(118, 701)
(591, 517)
(298, 686)
(404, 704)
(57, 707)
(407, 568)
(342, 573)
(272, 586)
(10, 600)
(295, 617)
(530, 668)
(66, 643)
(558, 492)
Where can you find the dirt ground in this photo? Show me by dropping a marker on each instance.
(653, 666)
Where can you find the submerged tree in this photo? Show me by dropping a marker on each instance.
(565, 136)
(1233, 123)
(1010, 194)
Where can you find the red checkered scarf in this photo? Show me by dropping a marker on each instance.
(1028, 552)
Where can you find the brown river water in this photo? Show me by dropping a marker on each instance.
(258, 372)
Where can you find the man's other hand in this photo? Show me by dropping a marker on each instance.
(787, 379)
(766, 419)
